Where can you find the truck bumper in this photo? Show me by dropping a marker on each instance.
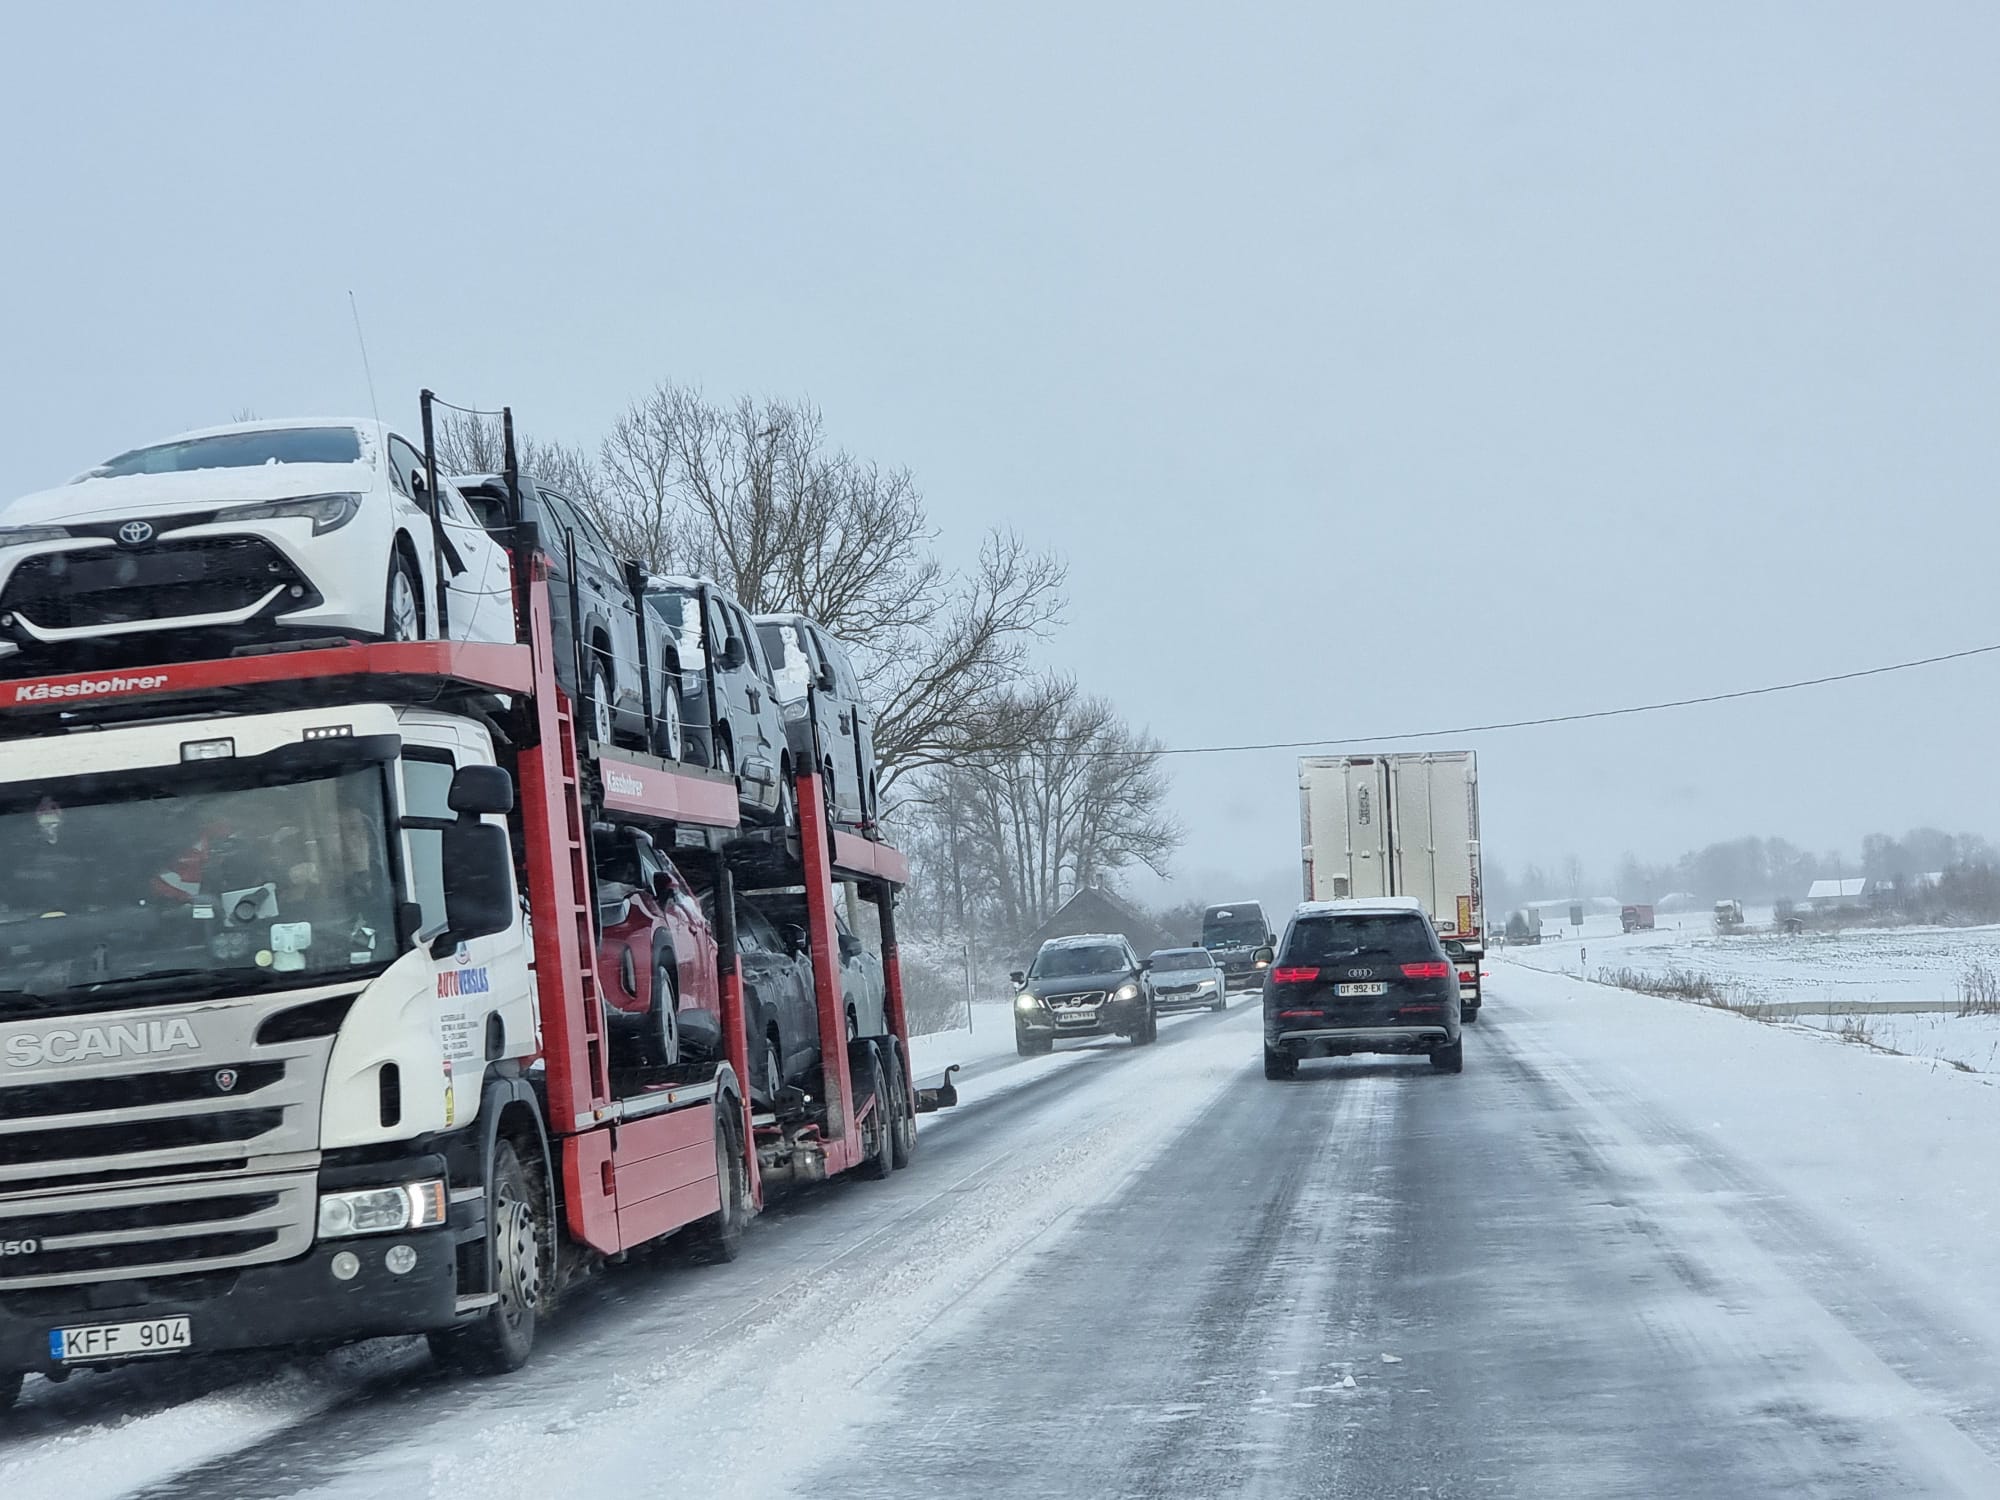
(298, 1301)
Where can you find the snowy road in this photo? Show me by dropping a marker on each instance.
(1638, 1248)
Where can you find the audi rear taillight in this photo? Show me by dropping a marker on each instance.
(1435, 968)
(1293, 974)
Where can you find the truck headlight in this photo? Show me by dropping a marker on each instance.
(1127, 991)
(1026, 1002)
(383, 1210)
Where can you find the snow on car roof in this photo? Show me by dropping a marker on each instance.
(1082, 940)
(1358, 906)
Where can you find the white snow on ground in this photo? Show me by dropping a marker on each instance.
(1789, 1164)
(1894, 989)
(103, 1460)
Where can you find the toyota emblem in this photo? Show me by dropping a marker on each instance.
(136, 533)
(225, 1079)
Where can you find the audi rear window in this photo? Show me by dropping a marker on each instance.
(1329, 939)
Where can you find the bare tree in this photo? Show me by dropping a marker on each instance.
(468, 443)
(1028, 827)
(753, 496)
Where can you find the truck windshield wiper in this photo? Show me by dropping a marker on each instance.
(173, 979)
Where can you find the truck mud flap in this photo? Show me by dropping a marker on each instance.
(941, 1095)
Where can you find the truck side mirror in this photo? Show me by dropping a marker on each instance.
(478, 883)
(479, 790)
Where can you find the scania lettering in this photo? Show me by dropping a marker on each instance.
(134, 1040)
(303, 1031)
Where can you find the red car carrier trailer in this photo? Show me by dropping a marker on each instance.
(301, 1032)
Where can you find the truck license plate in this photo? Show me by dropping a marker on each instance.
(120, 1340)
(1377, 987)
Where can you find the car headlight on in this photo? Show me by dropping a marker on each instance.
(1204, 986)
(326, 512)
(1026, 1002)
(383, 1210)
(1127, 991)
(28, 536)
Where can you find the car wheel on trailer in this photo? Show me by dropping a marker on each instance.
(903, 1113)
(1280, 1064)
(403, 602)
(597, 707)
(504, 1334)
(788, 800)
(663, 1026)
(870, 1082)
(718, 1238)
(668, 740)
(774, 1070)
(1450, 1059)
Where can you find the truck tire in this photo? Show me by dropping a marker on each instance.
(504, 1335)
(903, 1121)
(1280, 1065)
(717, 1239)
(1450, 1059)
(871, 1083)
(1468, 1014)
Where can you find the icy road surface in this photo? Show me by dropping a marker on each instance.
(1639, 1248)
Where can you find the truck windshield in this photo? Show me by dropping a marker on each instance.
(1066, 963)
(157, 886)
(1236, 930)
(238, 450)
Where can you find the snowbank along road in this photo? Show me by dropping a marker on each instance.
(1639, 1248)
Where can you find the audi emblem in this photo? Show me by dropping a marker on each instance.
(136, 533)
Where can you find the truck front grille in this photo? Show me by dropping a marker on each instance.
(117, 1169)
(157, 1229)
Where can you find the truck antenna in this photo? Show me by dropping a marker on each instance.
(359, 338)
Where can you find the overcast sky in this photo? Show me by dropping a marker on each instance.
(1376, 367)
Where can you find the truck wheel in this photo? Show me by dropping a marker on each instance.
(869, 1083)
(1280, 1064)
(1450, 1059)
(1468, 1014)
(504, 1334)
(1149, 1029)
(903, 1115)
(717, 1239)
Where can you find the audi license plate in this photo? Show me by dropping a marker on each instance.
(120, 1340)
(1375, 988)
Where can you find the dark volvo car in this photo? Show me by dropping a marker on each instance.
(1089, 985)
(1360, 976)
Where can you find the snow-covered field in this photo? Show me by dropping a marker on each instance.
(1894, 989)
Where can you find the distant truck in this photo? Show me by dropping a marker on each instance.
(1636, 918)
(1234, 934)
(1524, 927)
(1729, 916)
(1400, 825)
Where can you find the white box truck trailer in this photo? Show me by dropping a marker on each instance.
(1400, 825)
